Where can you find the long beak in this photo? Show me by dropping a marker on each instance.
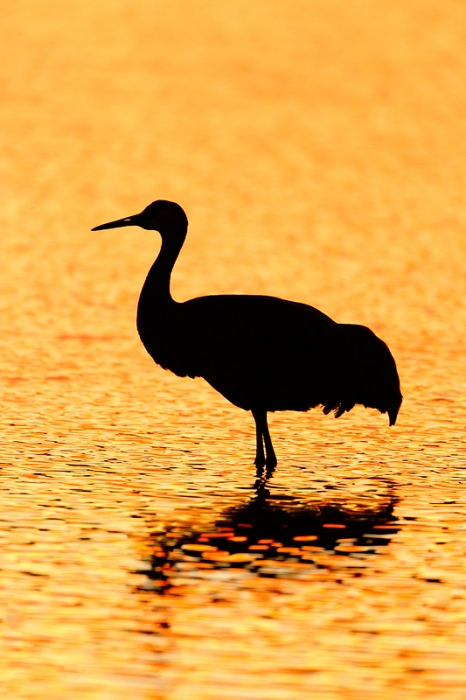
(129, 221)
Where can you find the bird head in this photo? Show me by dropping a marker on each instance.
(162, 216)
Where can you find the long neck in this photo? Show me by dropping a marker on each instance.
(156, 289)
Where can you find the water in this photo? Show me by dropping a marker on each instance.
(318, 150)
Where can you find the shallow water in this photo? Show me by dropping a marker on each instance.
(318, 149)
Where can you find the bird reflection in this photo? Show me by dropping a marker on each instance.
(275, 535)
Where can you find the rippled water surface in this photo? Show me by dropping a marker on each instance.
(318, 148)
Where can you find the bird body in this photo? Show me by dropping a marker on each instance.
(271, 353)
(262, 353)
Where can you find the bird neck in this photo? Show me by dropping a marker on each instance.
(156, 289)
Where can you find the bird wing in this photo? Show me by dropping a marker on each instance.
(263, 350)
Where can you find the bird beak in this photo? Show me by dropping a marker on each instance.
(129, 221)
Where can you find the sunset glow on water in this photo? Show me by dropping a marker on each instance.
(318, 148)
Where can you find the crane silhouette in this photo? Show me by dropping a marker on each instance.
(261, 353)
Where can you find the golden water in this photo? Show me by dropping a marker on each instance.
(318, 147)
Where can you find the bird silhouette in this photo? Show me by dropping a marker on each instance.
(261, 353)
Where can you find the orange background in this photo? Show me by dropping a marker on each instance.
(318, 148)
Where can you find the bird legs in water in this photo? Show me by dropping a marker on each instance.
(263, 438)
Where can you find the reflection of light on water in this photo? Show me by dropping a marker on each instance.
(318, 146)
(274, 535)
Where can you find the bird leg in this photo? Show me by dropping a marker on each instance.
(270, 459)
(260, 457)
(263, 437)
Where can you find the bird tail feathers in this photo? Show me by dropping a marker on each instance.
(372, 375)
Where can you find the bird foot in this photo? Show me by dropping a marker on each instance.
(269, 463)
(260, 464)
